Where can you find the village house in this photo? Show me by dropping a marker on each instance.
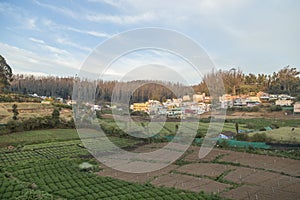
(280, 102)
(297, 107)
(198, 98)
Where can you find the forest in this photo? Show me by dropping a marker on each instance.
(285, 81)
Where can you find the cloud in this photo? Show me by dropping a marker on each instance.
(37, 40)
(122, 19)
(131, 66)
(113, 3)
(101, 18)
(31, 23)
(65, 41)
(245, 34)
(50, 23)
(62, 10)
(30, 62)
(22, 17)
(88, 32)
(49, 48)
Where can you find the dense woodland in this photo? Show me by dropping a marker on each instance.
(285, 81)
(63, 87)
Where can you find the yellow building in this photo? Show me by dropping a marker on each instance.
(140, 107)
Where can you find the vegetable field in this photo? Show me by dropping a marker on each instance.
(51, 171)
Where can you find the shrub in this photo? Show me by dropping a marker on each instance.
(242, 137)
(35, 123)
(15, 111)
(260, 137)
(275, 108)
(274, 126)
(223, 144)
(35, 195)
(200, 133)
(250, 109)
(255, 109)
(85, 166)
(15, 126)
(60, 105)
(139, 113)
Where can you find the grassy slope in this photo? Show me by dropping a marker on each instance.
(257, 123)
(284, 134)
(53, 136)
(39, 136)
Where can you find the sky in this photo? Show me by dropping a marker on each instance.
(56, 37)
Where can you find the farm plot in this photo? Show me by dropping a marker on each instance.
(263, 178)
(11, 158)
(53, 169)
(205, 169)
(64, 179)
(285, 165)
(10, 188)
(222, 172)
(190, 183)
(194, 157)
(134, 177)
(38, 136)
(260, 192)
(169, 128)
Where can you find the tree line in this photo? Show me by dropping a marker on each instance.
(63, 87)
(285, 81)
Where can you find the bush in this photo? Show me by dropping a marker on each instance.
(15, 126)
(139, 113)
(223, 144)
(35, 195)
(60, 105)
(85, 166)
(260, 137)
(200, 133)
(275, 108)
(242, 137)
(251, 109)
(35, 124)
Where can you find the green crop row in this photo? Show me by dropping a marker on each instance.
(10, 188)
(62, 178)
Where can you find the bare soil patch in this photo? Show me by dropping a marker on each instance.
(259, 177)
(260, 192)
(193, 157)
(278, 164)
(135, 177)
(191, 183)
(205, 169)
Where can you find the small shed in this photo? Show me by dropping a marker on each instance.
(227, 135)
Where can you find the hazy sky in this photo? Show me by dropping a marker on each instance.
(55, 37)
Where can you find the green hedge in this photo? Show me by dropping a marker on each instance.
(35, 124)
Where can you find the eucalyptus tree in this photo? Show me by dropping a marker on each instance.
(5, 74)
